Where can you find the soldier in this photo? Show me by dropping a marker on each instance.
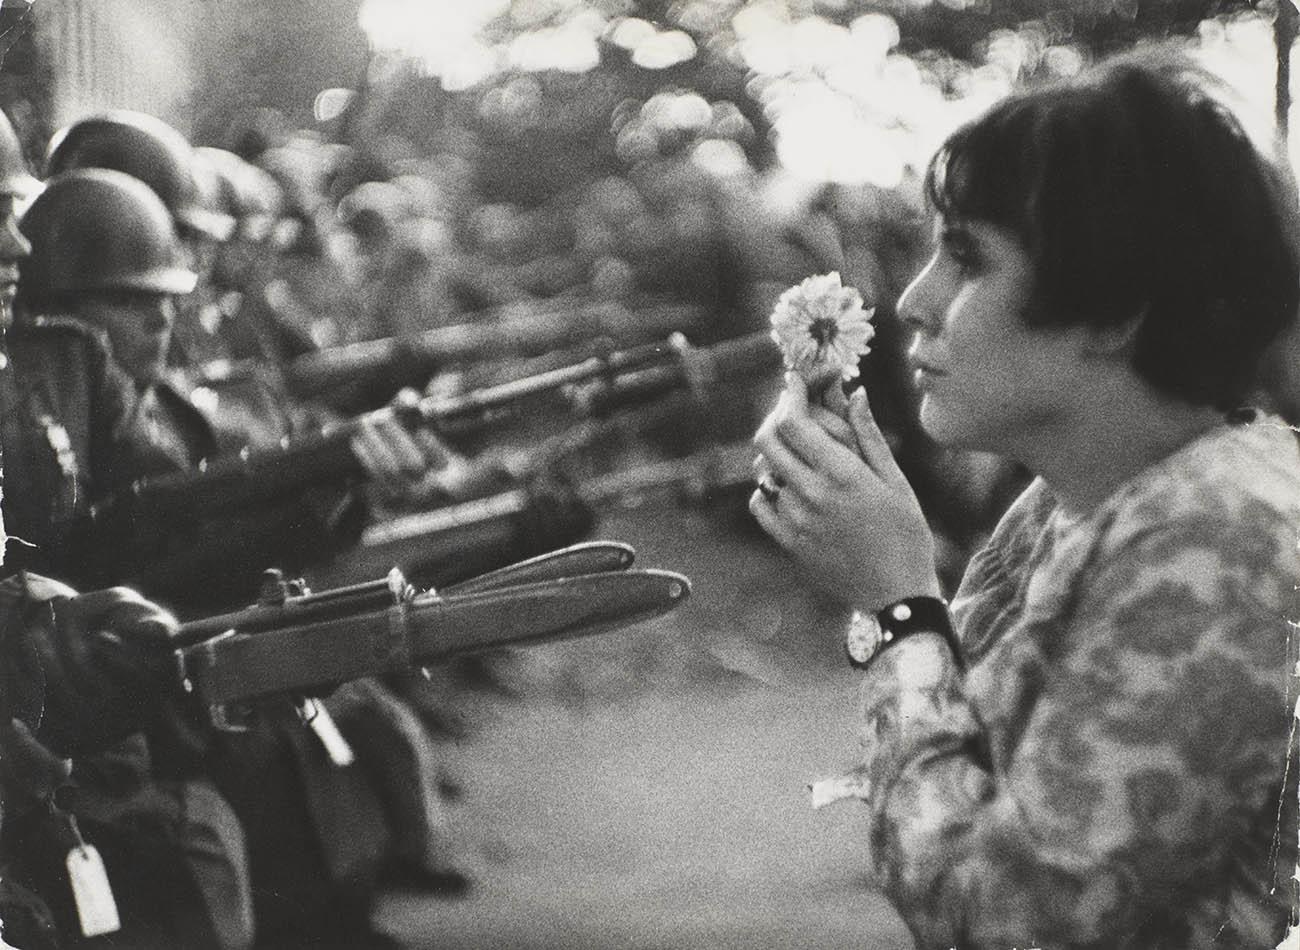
(147, 148)
(172, 852)
(110, 264)
(104, 251)
(245, 265)
(106, 255)
(78, 674)
(275, 323)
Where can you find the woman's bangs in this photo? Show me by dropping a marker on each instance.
(977, 177)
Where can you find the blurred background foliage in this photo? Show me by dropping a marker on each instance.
(713, 150)
(839, 91)
(710, 150)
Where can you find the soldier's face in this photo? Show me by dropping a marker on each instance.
(139, 328)
(13, 248)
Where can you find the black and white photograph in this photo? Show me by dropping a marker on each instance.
(649, 475)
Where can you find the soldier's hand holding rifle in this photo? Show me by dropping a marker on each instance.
(77, 672)
(82, 670)
(408, 465)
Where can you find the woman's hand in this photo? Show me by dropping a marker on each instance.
(842, 508)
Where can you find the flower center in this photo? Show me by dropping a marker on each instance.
(823, 330)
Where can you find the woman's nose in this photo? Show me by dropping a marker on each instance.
(918, 305)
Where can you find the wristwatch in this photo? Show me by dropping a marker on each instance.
(870, 634)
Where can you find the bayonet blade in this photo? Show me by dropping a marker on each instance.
(589, 557)
(311, 657)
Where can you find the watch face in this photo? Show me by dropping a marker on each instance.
(864, 638)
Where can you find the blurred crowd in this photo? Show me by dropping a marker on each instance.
(388, 242)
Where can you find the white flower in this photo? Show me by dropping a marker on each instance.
(822, 329)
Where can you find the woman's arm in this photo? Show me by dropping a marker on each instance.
(1153, 753)
(1147, 742)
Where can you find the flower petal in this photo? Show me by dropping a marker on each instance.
(821, 300)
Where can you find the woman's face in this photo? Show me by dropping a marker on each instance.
(987, 381)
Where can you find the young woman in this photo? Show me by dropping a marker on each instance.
(1091, 748)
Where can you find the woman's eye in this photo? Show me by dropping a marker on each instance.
(963, 254)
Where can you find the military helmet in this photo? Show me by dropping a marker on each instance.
(374, 209)
(146, 148)
(248, 192)
(15, 179)
(95, 229)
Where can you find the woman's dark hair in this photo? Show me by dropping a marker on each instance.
(1137, 193)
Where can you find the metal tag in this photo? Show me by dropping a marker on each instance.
(96, 907)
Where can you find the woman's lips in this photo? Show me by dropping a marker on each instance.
(926, 373)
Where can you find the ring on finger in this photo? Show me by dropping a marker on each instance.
(770, 489)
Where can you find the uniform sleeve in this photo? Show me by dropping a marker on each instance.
(1157, 743)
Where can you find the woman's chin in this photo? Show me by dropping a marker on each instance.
(952, 430)
(940, 424)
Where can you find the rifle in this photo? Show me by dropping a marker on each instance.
(595, 386)
(443, 543)
(299, 643)
(390, 363)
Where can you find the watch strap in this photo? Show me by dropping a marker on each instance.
(898, 621)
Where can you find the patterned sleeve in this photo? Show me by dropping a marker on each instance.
(1151, 756)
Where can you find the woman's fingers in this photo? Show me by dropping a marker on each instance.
(371, 452)
(395, 442)
(778, 461)
(832, 398)
(780, 514)
(871, 441)
(817, 450)
(836, 426)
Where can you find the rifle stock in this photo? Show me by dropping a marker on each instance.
(596, 385)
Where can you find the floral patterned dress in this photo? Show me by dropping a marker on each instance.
(1115, 768)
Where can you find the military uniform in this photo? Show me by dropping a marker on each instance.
(74, 433)
(66, 418)
(318, 833)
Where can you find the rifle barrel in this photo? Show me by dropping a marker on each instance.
(494, 335)
(307, 608)
(725, 465)
(614, 380)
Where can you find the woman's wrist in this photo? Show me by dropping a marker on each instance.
(870, 634)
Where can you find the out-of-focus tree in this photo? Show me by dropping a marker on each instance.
(24, 80)
(272, 54)
(546, 85)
